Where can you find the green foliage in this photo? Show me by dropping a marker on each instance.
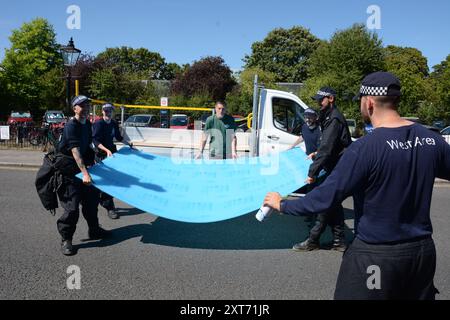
(124, 75)
(171, 70)
(148, 95)
(342, 63)
(411, 67)
(284, 52)
(83, 70)
(32, 73)
(354, 50)
(439, 81)
(33, 66)
(149, 65)
(429, 112)
(113, 85)
(240, 99)
(4, 97)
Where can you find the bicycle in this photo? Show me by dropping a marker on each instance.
(48, 136)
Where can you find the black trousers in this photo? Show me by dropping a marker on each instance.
(71, 196)
(387, 272)
(333, 218)
(106, 201)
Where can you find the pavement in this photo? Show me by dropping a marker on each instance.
(16, 158)
(21, 158)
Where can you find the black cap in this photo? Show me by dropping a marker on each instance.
(310, 112)
(78, 100)
(382, 84)
(108, 106)
(324, 92)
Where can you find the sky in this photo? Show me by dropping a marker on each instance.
(186, 31)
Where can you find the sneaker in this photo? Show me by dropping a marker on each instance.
(98, 233)
(67, 248)
(112, 214)
(306, 245)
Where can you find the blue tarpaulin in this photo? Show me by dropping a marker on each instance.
(198, 191)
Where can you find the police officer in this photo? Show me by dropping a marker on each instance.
(390, 174)
(104, 132)
(335, 138)
(75, 145)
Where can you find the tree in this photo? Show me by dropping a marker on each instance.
(209, 77)
(342, 63)
(284, 52)
(171, 70)
(4, 97)
(411, 67)
(86, 66)
(240, 99)
(149, 65)
(116, 86)
(439, 81)
(33, 66)
(441, 77)
(354, 50)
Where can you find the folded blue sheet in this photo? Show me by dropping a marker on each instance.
(198, 191)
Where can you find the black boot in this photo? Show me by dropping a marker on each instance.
(339, 245)
(307, 245)
(67, 248)
(112, 214)
(98, 233)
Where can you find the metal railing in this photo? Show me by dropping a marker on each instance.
(29, 137)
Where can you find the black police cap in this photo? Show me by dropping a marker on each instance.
(324, 92)
(380, 84)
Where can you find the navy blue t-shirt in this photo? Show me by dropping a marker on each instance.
(390, 174)
(104, 133)
(76, 135)
(311, 137)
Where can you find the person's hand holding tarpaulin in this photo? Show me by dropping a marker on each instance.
(198, 191)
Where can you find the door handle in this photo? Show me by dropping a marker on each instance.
(276, 138)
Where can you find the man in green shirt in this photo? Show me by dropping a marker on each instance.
(221, 130)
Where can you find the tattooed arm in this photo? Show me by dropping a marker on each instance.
(79, 160)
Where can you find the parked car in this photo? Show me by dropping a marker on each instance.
(446, 134)
(94, 119)
(417, 120)
(203, 119)
(441, 124)
(20, 118)
(352, 126)
(181, 121)
(368, 128)
(54, 118)
(142, 120)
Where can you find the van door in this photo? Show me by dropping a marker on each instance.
(282, 122)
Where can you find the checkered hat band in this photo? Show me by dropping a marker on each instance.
(374, 91)
(323, 93)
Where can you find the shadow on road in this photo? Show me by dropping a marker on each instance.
(123, 212)
(242, 233)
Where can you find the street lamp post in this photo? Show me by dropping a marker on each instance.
(70, 56)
